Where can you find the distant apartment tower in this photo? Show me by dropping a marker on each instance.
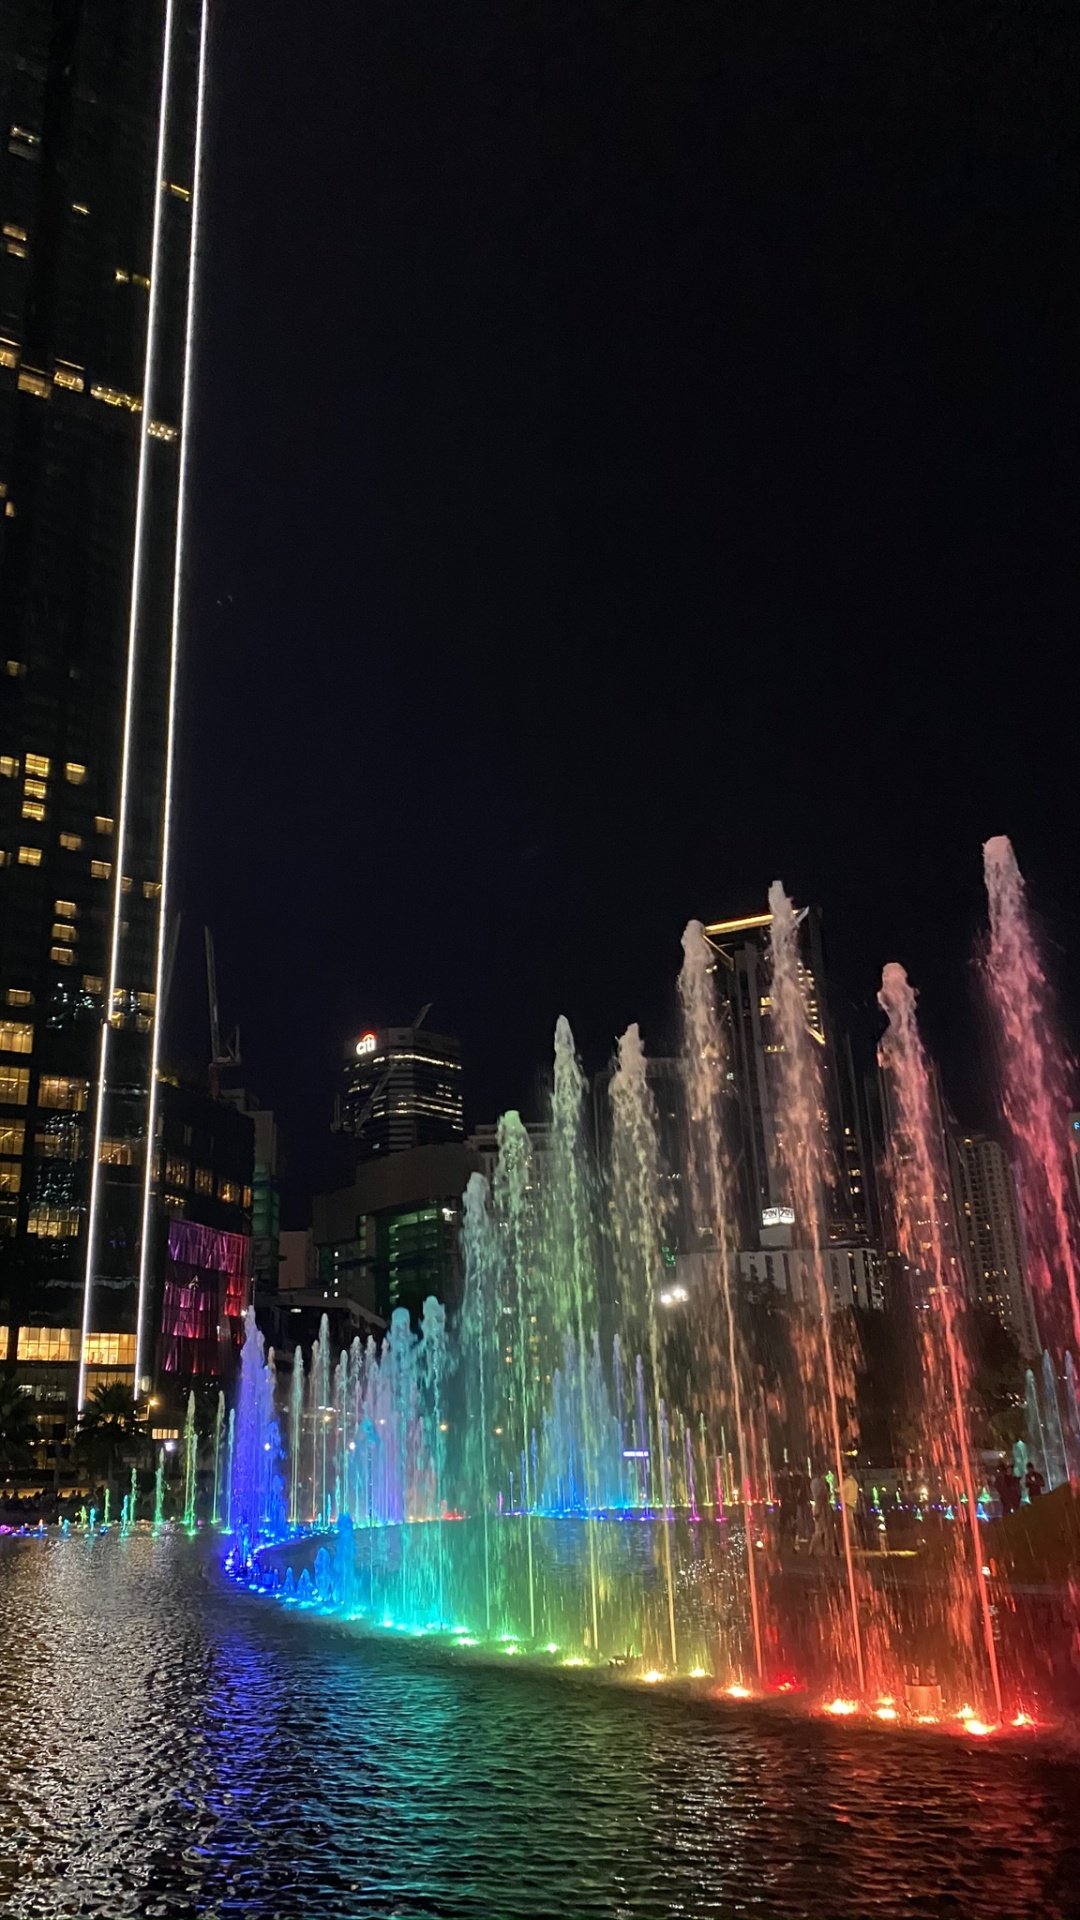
(402, 1089)
(101, 116)
(990, 1221)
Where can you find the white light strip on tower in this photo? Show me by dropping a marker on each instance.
(145, 1249)
(155, 304)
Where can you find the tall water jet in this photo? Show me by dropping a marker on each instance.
(296, 1434)
(191, 1452)
(802, 1147)
(574, 1231)
(1036, 1096)
(513, 1172)
(159, 1491)
(638, 1234)
(924, 1231)
(219, 1458)
(710, 1190)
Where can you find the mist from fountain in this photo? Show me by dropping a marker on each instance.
(1035, 1075)
(919, 1187)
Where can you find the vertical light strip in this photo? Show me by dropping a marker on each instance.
(155, 305)
(145, 1247)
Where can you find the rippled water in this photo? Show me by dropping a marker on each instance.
(172, 1746)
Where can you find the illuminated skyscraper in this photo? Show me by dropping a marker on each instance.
(100, 132)
(402, 1089)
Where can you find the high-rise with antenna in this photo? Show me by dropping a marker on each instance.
(101, 111)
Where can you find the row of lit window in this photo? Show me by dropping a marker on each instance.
(37, 765)
(59, 1344)
(99, 869)
(54, 1090)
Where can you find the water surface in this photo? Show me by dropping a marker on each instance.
(172, 1746)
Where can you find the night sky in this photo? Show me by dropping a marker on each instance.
(636, 459)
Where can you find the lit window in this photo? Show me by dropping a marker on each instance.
(100, 869)
(38, 763)
(14, 1086)
(182, 193)
(30, 379)
(9, 766)
(48, 1343)
(102, 823)
(151, 889)
(229, 1191)
(78, 207)
(113, 397)
(71, 842)
(10, 1176)
(176, 1172)
(33, 810)
(65, 908)
(61, 956)
(118, 1153)
(9, 354)
(93, 983)
(67, 377)
(13, 232)
(145, 1002)
(164, 1433)
(126, 883)
(16, 1036)
(62, 930)
(19, 997)
(53, 1223)
(13, 668)
(245, 1197)
(58, 1090)
(12, 1135)
(36, 789)
(161, 430)
(5, 857)
(110, 1349)
(29, 856)
(204, 1180)
(122, 277)
(73, 772)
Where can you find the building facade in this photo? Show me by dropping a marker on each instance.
(402, 1088)
(101, 115)
(990, 1221)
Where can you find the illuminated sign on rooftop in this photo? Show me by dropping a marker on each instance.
(367, 1043)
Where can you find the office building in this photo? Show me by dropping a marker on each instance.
(401, 1089)
(392, 1237)
(100, 110)
(990, 1222)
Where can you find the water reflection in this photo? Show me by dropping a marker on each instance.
(173, 1747)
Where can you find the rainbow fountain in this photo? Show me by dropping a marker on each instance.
(571, 1473)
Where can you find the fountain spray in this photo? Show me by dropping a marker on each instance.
(219, 1436)
(1035, 1094)
(159, 1491)
(191, 1444)
(802, 1146)
(920, 1182)
(703, 1053)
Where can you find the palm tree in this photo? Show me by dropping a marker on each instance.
(108, 1430)
(18, 1429)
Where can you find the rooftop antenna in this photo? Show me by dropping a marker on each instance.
(222, 1054)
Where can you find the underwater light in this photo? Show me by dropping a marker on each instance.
(739, 1693)
(698, 1673)
(841, 1707)
(1022, 1719)
(885, 1713)
(653, 1676)
(551, 1647)
(575, 1660)
(978, 1727)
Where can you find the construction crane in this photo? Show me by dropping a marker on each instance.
(222, 1054)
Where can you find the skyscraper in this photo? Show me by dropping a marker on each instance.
(990, 1221)
(102, 107)
(402, 1089)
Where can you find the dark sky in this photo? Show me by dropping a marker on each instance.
(636, 458)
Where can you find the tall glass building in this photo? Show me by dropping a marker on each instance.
(101, 107)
